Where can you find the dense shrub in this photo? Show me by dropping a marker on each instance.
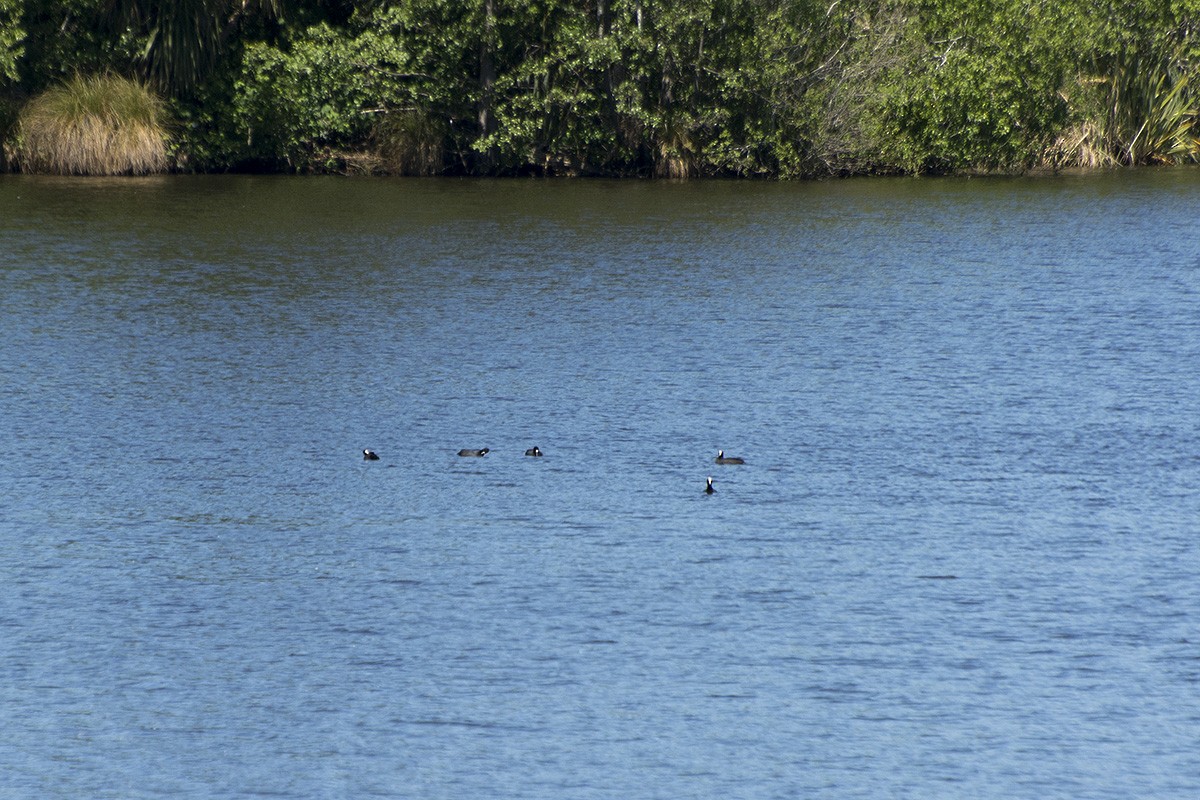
(672, 88)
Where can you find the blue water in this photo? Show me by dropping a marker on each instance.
(960, 561)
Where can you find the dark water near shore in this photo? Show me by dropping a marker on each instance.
(961, 560)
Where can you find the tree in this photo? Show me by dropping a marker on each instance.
(182, 40)
(977, 88)
(12, 39)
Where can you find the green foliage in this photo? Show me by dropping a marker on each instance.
(965, 110)
(672, 88)
(100, 125)
(284, 103)
(64, 38)
(291, 105)
(12, 39)
(977, 90)
(182, 41)
(444, 45)
(550, 110)
(676, 89)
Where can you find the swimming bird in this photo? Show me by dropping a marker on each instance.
(533, 451)
(370, 455)
(481, 452)
(708, 489)
(724, 459)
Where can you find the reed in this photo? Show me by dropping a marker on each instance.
(676, 158)
(1081, 145)
(8, 120)
(94, 125)
(411, 143)
(1137, 108)
(1154, 116)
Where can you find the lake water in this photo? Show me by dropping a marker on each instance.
(961, 560)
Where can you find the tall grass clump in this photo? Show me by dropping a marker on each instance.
(96, 125)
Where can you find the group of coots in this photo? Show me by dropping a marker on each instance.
(535, 451)
(371, 455)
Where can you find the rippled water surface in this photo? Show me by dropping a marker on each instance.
(960, 562)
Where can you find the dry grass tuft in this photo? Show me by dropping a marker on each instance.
(1081, 145)
(676, 156)
(98, 125)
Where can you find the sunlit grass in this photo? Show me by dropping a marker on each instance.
(97, 125)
